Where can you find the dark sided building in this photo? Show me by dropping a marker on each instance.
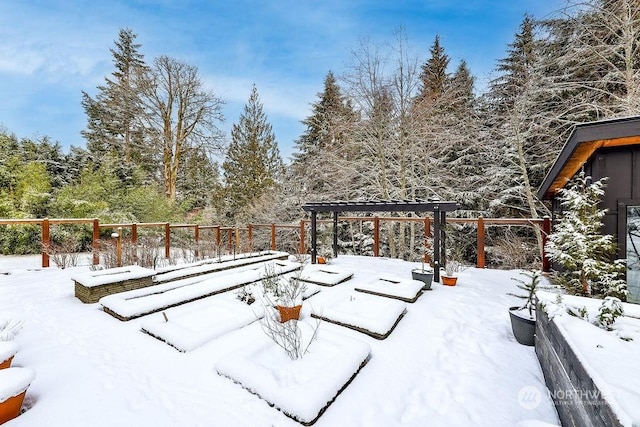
(609, 148)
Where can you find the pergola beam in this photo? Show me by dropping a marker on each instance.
(437, 207)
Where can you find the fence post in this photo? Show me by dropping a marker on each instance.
(238, 249)
(46, 242)
(95, 244)
(134, 241)
(250, 236)
(229, 240)
(119, 247)
(196, 236)
(302, 237)
(546, 230)
(376, 236)
(480, 261)
(167, 241)
(273, 237)
(218, 237)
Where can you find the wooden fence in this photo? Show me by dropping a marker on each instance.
(232, 237)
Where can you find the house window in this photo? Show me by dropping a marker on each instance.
(633, 252)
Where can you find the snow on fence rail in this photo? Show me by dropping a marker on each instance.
(231, 238)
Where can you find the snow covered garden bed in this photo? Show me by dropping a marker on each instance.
(438, 366)
(592, 373)
(93, 285)
(302, 389)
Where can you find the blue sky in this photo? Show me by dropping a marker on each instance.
(51, 50)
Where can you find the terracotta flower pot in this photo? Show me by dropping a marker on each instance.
(6, 363)
(449, 280)
(289, 313)
(321, 260)
(8, 349)
(16, 381)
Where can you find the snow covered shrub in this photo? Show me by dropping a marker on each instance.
(284, 291)
(293, 336)
(9, 329)
(578, 245)
(609, 311)
(245, 294)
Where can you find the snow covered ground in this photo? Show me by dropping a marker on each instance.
(451, 361)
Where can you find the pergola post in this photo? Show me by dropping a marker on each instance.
(313, 237)
(335, 234)
(443, 238)
(436, 246)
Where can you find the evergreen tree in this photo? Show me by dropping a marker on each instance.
(253, 163)
(327, 124)
(520, 124)
(113, 117)
(434, 75)
(578, 245)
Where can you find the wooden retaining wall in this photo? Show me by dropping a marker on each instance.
(578, 400)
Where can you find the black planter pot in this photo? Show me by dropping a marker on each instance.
(425, 277)
(524, 328)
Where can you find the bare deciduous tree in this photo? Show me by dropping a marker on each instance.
(180, 115)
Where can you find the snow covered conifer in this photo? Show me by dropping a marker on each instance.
(578, 245)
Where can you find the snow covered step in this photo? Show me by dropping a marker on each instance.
(130, 305)
(407, 290)
(369, 314)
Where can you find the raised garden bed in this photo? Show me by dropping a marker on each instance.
(592, 373)
(93, 285)
(302, 389)
(130, 305)
(372, 315)
(325, 276)
(227, 262)
(190, 326)
(392, 287)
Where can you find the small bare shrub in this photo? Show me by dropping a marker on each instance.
(513, 251)
(64, 254)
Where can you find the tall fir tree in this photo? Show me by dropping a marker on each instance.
(325, 126)
(253, 164)
(113, 117)
(434, 76)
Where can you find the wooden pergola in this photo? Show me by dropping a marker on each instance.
(437, 207)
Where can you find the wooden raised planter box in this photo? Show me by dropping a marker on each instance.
(577, 398)
(91, 286)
